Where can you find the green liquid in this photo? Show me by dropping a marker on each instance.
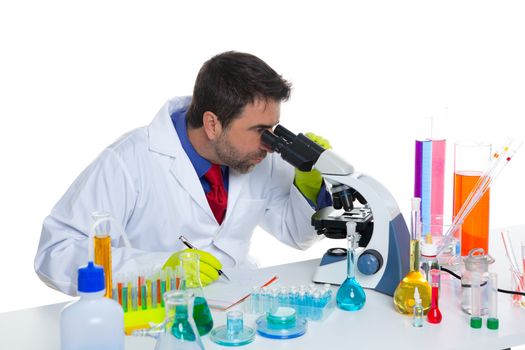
(202, 316)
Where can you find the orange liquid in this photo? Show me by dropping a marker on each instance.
(103, 258)
(475, 228)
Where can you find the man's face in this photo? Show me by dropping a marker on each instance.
(239, 146)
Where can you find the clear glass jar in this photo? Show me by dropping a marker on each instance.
(476, 269)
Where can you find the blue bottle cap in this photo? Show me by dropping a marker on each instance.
(90, 278)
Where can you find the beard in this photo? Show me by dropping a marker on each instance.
(231, 157)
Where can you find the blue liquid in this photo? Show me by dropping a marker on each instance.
(351, 296)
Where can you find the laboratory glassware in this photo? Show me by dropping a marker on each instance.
(281, 324)
(404, 293)
(517, 282)
(428, 260)
(429, 182)
(189, 263)
(102, 246)
(492, 320)
(178, 330)
(417, 313)
(434, 314)
(350, 295)
(234, 333)
(475, 298)
(91, 322)
(476, 265)
(471, 159)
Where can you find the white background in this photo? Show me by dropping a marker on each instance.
(76, 75)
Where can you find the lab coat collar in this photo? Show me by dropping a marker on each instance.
(163, 139)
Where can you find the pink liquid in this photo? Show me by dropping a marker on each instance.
(438, 184)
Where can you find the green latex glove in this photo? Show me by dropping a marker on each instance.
(208, 265)
(309, 182)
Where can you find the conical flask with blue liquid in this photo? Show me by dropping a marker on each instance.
(350, 295)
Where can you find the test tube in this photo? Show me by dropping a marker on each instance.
(274, 300)
(114, 294)
(301, 303)
(163, 285)
(134, 292)
(255, 296)
(154, 293)
(125, 293)
(475, 318)
(492, 320)
(283, 297)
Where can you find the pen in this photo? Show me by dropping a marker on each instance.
(189, 245)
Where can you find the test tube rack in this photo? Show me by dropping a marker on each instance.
(311, 303)
(141, 296)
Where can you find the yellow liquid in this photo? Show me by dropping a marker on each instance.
(103, 258)
(404, 295)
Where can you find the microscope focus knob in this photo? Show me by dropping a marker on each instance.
(369, 262)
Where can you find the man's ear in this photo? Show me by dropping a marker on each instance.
(211, 125)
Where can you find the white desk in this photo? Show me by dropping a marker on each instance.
(376, 326)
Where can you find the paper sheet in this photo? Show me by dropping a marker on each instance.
(222, 294)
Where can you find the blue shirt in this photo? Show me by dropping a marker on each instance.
(202, 165)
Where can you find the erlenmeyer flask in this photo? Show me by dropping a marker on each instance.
(191, 281)
(178, 331)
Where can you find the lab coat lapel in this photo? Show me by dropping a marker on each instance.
(185, 174)
(163, 139)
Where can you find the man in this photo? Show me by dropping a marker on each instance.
(199, 169)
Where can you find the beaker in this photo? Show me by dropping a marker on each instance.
(471, 160)
(178, 331)
(476, 265)
(189, 263)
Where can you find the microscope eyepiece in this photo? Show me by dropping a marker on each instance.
(298, 150)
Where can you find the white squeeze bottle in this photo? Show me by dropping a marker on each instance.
(92, 322)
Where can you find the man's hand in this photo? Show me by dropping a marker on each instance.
(309, 182)
(208, 265)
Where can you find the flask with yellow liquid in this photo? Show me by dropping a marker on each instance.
(404, 294)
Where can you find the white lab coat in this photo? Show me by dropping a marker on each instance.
(148, 184)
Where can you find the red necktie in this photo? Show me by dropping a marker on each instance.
(217, 196)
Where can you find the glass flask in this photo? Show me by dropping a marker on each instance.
(476, 263)
(404, 294)
(434, 314)
(350, 295)
(178, 331)
(191, 281)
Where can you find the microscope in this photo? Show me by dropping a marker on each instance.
(383, 254)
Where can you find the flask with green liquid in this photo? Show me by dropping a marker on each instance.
(189, 262)
(404, 295)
